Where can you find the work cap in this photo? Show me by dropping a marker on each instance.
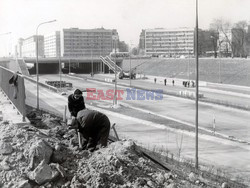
(78, 92)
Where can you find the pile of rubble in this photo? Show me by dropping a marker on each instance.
(48, 156)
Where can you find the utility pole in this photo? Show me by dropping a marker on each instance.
(197, 89)
(115, 38)
(37, 68)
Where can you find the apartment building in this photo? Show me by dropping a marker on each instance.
(169, 42)
(87, 42)
(52, 44)
(28, 48)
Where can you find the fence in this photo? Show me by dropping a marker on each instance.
(10, 89)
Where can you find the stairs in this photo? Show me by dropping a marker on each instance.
(111, 64)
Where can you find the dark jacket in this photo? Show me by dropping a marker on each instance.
(75, 105)
(91, 122)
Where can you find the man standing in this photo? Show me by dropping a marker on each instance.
(165, 81)
(94, 127)
(76, 103)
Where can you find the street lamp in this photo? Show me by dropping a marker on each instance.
(37, 70)
(188, 65)
(91, 60)
(219, 42)
(130, 73)
(115, 38)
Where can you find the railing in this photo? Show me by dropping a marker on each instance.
(16, 94)
(107, 63)
(107, 58)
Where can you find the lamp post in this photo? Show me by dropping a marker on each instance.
(91, 60)
(220, 55)
(196, 89)
(37, 69)
(220, 62)
(115, 38)
(130, 73)
(188, 65)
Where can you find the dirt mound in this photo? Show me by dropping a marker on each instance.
(49, 157)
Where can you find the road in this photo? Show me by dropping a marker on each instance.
(228, 121)
(223, 153)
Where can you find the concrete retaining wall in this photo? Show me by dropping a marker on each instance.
(10, 89)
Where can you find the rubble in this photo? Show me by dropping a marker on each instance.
(49, 157)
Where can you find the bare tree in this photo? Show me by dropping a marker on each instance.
(239, 38)
(224, 28)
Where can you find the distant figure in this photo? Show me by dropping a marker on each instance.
(165, 81)
(192, 83)
(155, 80)
(173, 82)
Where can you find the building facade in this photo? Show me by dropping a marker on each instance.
(52, 44)
(28, 48)
(87, 42)
(19, 48)
(168, 42)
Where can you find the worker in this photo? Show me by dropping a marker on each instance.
(94, 127)
(76, 102)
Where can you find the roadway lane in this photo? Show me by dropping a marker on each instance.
(229, 94)
(229, 121)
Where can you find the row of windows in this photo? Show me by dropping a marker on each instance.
(78, 45)
(168, 41)
(169, 32)
(89, 51)
(86, 34)
(169, 44)
(171, 51)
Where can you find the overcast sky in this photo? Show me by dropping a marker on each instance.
(129, 17)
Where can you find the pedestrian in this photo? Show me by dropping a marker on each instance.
(14, 83)
(193, 83)
(94, 127)
(76, 102)
(155, 80)
(165, 81)
(173, 82)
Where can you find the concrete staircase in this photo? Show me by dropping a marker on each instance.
(111, 64)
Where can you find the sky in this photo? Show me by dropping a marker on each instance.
(129, 17)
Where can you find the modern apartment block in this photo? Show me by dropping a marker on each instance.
(87, 42)
(169, 42)
(29, 46)
(52, 44)
(19, 48)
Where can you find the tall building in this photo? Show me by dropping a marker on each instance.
(170, 42)
(52, 44)
(87, 42)
(19, 48)
(29, 46)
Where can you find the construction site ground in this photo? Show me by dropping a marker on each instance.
(149, 131)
